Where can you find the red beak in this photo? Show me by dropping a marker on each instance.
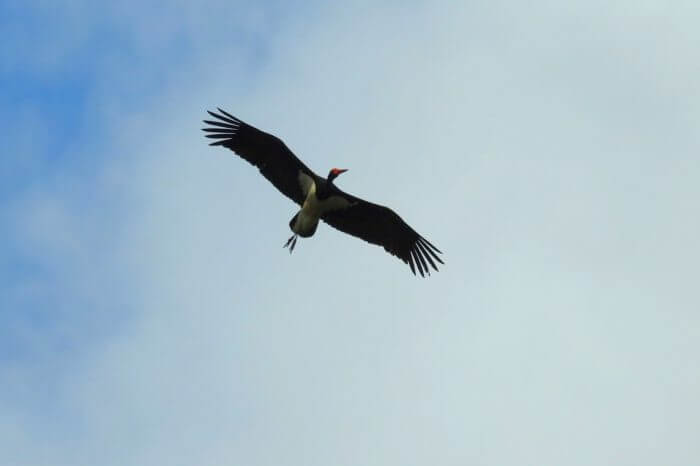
(338, 171)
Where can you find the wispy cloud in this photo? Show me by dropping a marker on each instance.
(153, 316)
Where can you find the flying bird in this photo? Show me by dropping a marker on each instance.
(320, 198)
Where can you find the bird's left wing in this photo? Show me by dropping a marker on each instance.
(274, 159)
(380, 225)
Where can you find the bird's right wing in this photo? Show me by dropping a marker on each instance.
(382, 226)
(274, 159)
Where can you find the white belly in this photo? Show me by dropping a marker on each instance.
(313, 209)
(305, 224)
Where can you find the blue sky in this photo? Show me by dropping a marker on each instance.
(150, 315)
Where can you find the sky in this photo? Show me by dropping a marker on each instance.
(149, 314)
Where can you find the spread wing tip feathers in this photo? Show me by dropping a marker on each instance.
(223, 128)
(420, 255)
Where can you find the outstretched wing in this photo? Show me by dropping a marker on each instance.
(380, 225)
(274, 159)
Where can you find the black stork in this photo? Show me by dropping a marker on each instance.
(319, 197)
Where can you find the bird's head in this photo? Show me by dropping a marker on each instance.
(333, 174)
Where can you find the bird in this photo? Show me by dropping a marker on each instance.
(318, 197)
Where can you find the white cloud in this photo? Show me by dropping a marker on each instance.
(546, 150)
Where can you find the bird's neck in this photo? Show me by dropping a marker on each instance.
(325, 189)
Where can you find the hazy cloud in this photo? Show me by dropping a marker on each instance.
(549, 150)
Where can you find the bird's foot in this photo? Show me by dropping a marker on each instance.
(291, 242)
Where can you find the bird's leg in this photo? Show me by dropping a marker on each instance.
(291, 242)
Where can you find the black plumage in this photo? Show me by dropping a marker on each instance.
(373, 223)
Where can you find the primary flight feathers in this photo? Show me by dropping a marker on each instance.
(318, 197)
